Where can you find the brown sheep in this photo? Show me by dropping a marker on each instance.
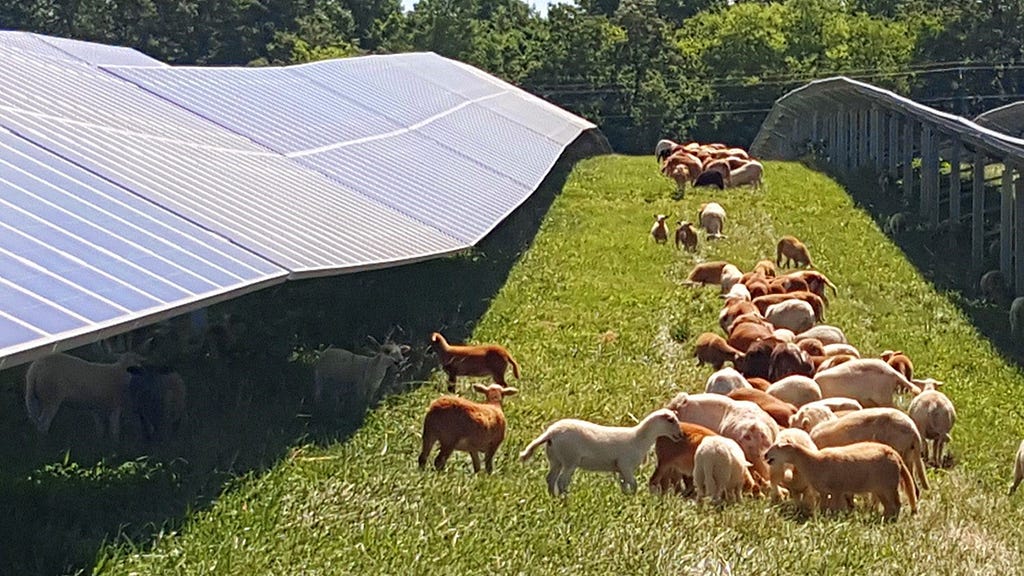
(473, 360)
(756, 362)
(686, 236)
(780, 411)
(707, 273)
(812, 346)
(767, 268)
(675, 459)
(816, 282)
(467, 426)
(659, 231)
(900, 362)
(734, 308)
(795, 251)
(786, 284)
(714, 350)
(759, 383)
(839, 473)
(744, 334)
(789, 359)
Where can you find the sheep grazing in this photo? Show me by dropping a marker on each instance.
(1017, 318)
(738, 291)
(743, 335)
(733, 309)
(730, 277)
(870, 381)
(663, 149)
(158, 398)
(934, 414)
(816, 282)
(710, 178)
(714, 350)
(759, 384)
(796, 389)
(720, 470)
(573, 444)
(750, 173)
(341, 374)
(1018, 468)
(794, 251)
(823, 333)
(712, 219)
(841, 349)
(900, 362)
(58, 378)
(459, 424)
(839, 473)
(993, 287)
(812, 346)
(886, 425)
(817, 304)
(659, 231)
(810, 415)
(724, 381)
(787, 360)
(473, 360)
(785, 475)
(686, 236)
(675, 459)
(756, 362)
(766, 268)
(796, 315)
(780, 411)
(707, 273)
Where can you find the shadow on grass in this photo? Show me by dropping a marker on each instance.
(941, 254)
(64, 495)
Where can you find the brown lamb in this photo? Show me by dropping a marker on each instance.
(473, 360)
(467, 426)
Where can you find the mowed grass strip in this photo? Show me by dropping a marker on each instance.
(603, 327)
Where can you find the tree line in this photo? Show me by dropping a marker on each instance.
(640, 69)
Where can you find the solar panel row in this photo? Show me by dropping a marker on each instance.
(131, 190)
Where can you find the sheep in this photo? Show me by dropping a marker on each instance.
(707, 273)
(993, 287)
(710, 178)
(756, 361)
(886, 425)
(837, 349)
(840, 472)
(724, 381)
(784, 475)
(58, 378)
(794, 250)
(712, 219)
(739, 291)
(934, 414)
(870, 381)
(767, 268)
(1017, 317)
(750, 173)
(825, 334)
(686, 236)
(784, 335)
(810, 415)
(720, 470)
(1018, 468)
(812, 346)
(817, 304)
(730, 277)
(675, 458)
(659, 231)
(759, 383)
(473, 360)
(833, 361)
(714, 350)
(720, 165)
(459, 424)
(734, 308)
(757, 287)
(663, 149)
(787, 360)
(900, 362)
(816, 282)
(342, 374)
(679, 174)
(573, 444)
(781, 412)
(745, 422)
(158, 399)
(796, 389)
(742, 335)
(795, 315)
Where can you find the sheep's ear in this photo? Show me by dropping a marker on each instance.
(374, 340)
(480, 388)
(404, 348)
(509, 391)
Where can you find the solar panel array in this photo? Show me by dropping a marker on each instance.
(132, 190)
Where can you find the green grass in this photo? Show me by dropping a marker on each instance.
(602, 325)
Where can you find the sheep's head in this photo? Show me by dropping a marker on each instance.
(495, 392)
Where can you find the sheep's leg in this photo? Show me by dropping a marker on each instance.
(565, 478)
(428, 445)
(115, 423)
(627, 479)
(451, 379)
(489, 459)
(475, 456)
(46, 415)
(442, 456)
(552, 478)
(890, 502)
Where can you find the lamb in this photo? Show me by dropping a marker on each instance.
(675, 458)
(870, 381)
(766, 268)
(780, 411)
(837, 349)
(712, 219)
(358, 379)
(734, 308)
(796, 389)
(900, 362)
(817, 304)
(757, 360)
(825, 334)
(993, 287)
(839, 473)
(459, 424)
(810, 415)
(739, 291)
(573, 444)
(707, 273)
(794, 250)
(1018, 468)
(730, 277)
(720, 470)
(812, 346)
(714, 350)
(1017, 317)
(158, 398)
(479, 360)
(686, 236)
(58, 378)
(784, 335)
(886, 425)
(934, 414)
(709, 178)
(660, 229)
(743, 335)
(750, 173)
(724, 381)
(787, 360)
(816, 282)
(785, 475)
(795, 315)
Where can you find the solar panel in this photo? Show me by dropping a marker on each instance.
(80, 254)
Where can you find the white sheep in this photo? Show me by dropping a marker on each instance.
(810, 415)
(784, 475)
(725, 380)
(58, 378)
(836, 349)
(837, 404)
(720, 470)
(750, 173)
(1018, 468)
(825, 334)
(795, 315)
(934, 415)
(358, 379)
(870, 381)
(712, 219)
(796, 389)
(737, 291)
(659, 231)
(573, 444)
(731, 275)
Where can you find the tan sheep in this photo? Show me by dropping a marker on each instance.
(810, 415)
(675, 459)
(785, 476)
(712, 219)
(459, 424)
(796, 389)
(720, 470)
(714, 350)
(870, 381)
(794, 251)
(900, 362)
(707, 273)
(934, 414)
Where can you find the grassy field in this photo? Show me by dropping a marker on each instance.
(603, 327)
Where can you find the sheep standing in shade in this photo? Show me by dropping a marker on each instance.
(573, 444)
(1017, 318)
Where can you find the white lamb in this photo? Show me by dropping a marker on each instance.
(720, 470)
(58, 378)
(796, 389)
(825, 334)
(731, 275)
(934, 414)
(573, 444)
(712, 219)
(795, 315)
(726, 380)
(837, 349)
(810, 415)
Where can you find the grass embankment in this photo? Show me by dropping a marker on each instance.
(599, 319)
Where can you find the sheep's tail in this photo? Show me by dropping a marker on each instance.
(35, 410)
(835, 291)
(542, 439)
(907, 483)
(515, 366)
